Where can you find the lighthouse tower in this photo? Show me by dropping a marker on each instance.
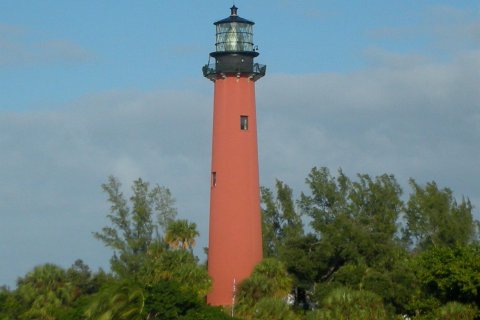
(235, 240)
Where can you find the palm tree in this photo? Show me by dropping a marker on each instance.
(181, 234)
(44, 290)
(269, 280)
(348, 304)
(121, 301)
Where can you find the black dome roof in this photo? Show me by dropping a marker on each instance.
(233, 18)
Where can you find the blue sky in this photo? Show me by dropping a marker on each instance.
(60, 50)
(89, 89)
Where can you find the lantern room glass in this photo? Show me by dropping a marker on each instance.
(234, 36)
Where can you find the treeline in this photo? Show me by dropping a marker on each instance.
(365, 253)
(346, 249)
(154, 274)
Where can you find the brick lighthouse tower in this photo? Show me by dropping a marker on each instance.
(235, 240)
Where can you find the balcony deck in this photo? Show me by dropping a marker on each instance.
(255, 72)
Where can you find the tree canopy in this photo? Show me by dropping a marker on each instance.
(346, 248)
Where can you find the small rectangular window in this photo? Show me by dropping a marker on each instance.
(243, 122)
(214, 179)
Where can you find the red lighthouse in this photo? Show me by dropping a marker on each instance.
(235, 240)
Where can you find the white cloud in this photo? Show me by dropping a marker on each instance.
(443, 31)
(17, 48)
(454, 29)
(417, 121)
(380, 57)
(54, 162)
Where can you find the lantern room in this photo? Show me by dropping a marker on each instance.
(234, 34)
(234, 49)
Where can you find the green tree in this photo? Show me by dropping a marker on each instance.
(301, 258)
(168, 300)
(44, 291)
(284, 238)
(165, 300)
(348, 304)
(51, 292)
(271, 223)
(355, 242)
(181, 234)
(117, 300)
(269, 279)
(434, 218)
(281, 222)
(145, 238)
(179, 266)
(455, 311)
(356, 221)
(134, 229)
(451, 274)
(84, 280)
(10, 304)
(273, 309)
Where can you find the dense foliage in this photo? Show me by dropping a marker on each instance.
(345, 249)
(352, 240)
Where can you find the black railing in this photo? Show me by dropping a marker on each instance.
(210, 71)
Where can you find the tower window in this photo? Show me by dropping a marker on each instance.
(243, 122)
(214, 179)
